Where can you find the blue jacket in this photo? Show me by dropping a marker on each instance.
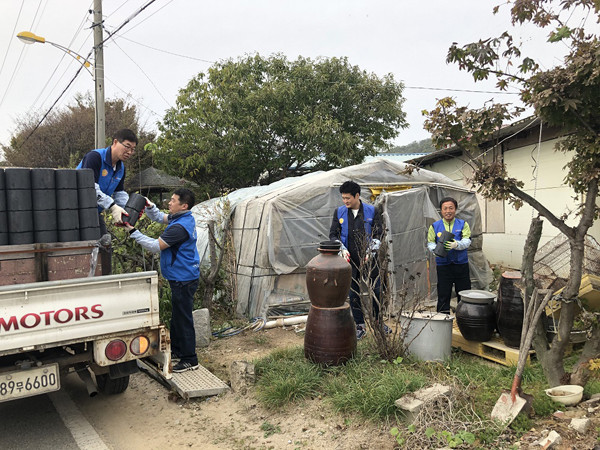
(108, 179)
(182, 263)
(454, 256)
(368, 214)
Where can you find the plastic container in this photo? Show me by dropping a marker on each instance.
(567, 394)
(429, 335)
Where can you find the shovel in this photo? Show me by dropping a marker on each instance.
(510, 404)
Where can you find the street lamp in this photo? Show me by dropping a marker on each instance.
(28, 37)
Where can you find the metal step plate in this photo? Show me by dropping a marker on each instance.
(197, 383)
(193, 383)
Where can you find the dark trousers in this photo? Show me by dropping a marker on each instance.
(183, 335)
(355, 303)
(448, 275)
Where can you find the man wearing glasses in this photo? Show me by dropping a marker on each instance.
(109, 174)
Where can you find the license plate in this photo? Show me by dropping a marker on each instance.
(25, 383)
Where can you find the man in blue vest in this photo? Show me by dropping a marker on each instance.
(454, 268)
(357, 226)
(109, 174)
(180, 265)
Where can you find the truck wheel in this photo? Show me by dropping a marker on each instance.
(111, 386)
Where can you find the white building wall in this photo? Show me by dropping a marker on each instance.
(506, 247)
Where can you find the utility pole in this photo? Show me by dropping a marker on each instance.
(99, 75)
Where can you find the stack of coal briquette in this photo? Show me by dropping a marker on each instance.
(47, 205)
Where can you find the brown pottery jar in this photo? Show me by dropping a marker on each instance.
(328, 277)
(330, 336)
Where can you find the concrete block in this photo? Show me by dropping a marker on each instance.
(551, 441)
(202, 327)
(242, 376)
(580, 425)
(412, 403)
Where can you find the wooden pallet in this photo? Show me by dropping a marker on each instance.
(494, 349)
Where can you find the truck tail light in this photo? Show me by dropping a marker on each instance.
(139, 345)
(115, 350)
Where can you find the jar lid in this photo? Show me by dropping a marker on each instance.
(477, 296)
(330, 245)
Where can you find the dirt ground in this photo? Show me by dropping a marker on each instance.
(149, 416)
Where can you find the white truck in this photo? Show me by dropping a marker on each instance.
(96, 325)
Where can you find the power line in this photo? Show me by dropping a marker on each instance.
(53, 104)
(159, 9)
(128, 95)
(17, 66)
(12, 77)
(426, 88)
(118, 8)
(11, 35)
(132, 16)
(77, 31)
(145, 74)
(166, 51)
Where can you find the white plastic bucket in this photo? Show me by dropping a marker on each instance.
(429, 335)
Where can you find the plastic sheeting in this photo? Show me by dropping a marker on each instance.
(277, 229)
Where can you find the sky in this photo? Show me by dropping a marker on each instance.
(156, 54)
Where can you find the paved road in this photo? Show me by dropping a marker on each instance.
(34, 423)
(49, 422)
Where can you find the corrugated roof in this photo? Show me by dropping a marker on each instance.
(507, 130)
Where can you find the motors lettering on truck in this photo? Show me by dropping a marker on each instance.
(48, 318)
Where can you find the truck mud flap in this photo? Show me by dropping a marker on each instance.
(122, 369)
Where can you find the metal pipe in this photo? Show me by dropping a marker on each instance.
(286, 321)
(85, 376)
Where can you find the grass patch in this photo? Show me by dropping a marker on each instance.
(286, 376)
(369, 387)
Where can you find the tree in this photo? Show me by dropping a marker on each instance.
(257, 120)
(67, 134)
(565, 96)
(422, 146)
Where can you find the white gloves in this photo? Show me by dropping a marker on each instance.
(450, 245)
(374, 245)
(117, 213)
(153, 212)
(344, 253)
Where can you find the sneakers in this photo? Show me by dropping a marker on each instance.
(361, 331)
(386, 329)
(184, 366)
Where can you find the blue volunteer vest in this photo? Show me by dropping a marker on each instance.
(368, 215)
(185, 264)
(454, 256)
(108, 179)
